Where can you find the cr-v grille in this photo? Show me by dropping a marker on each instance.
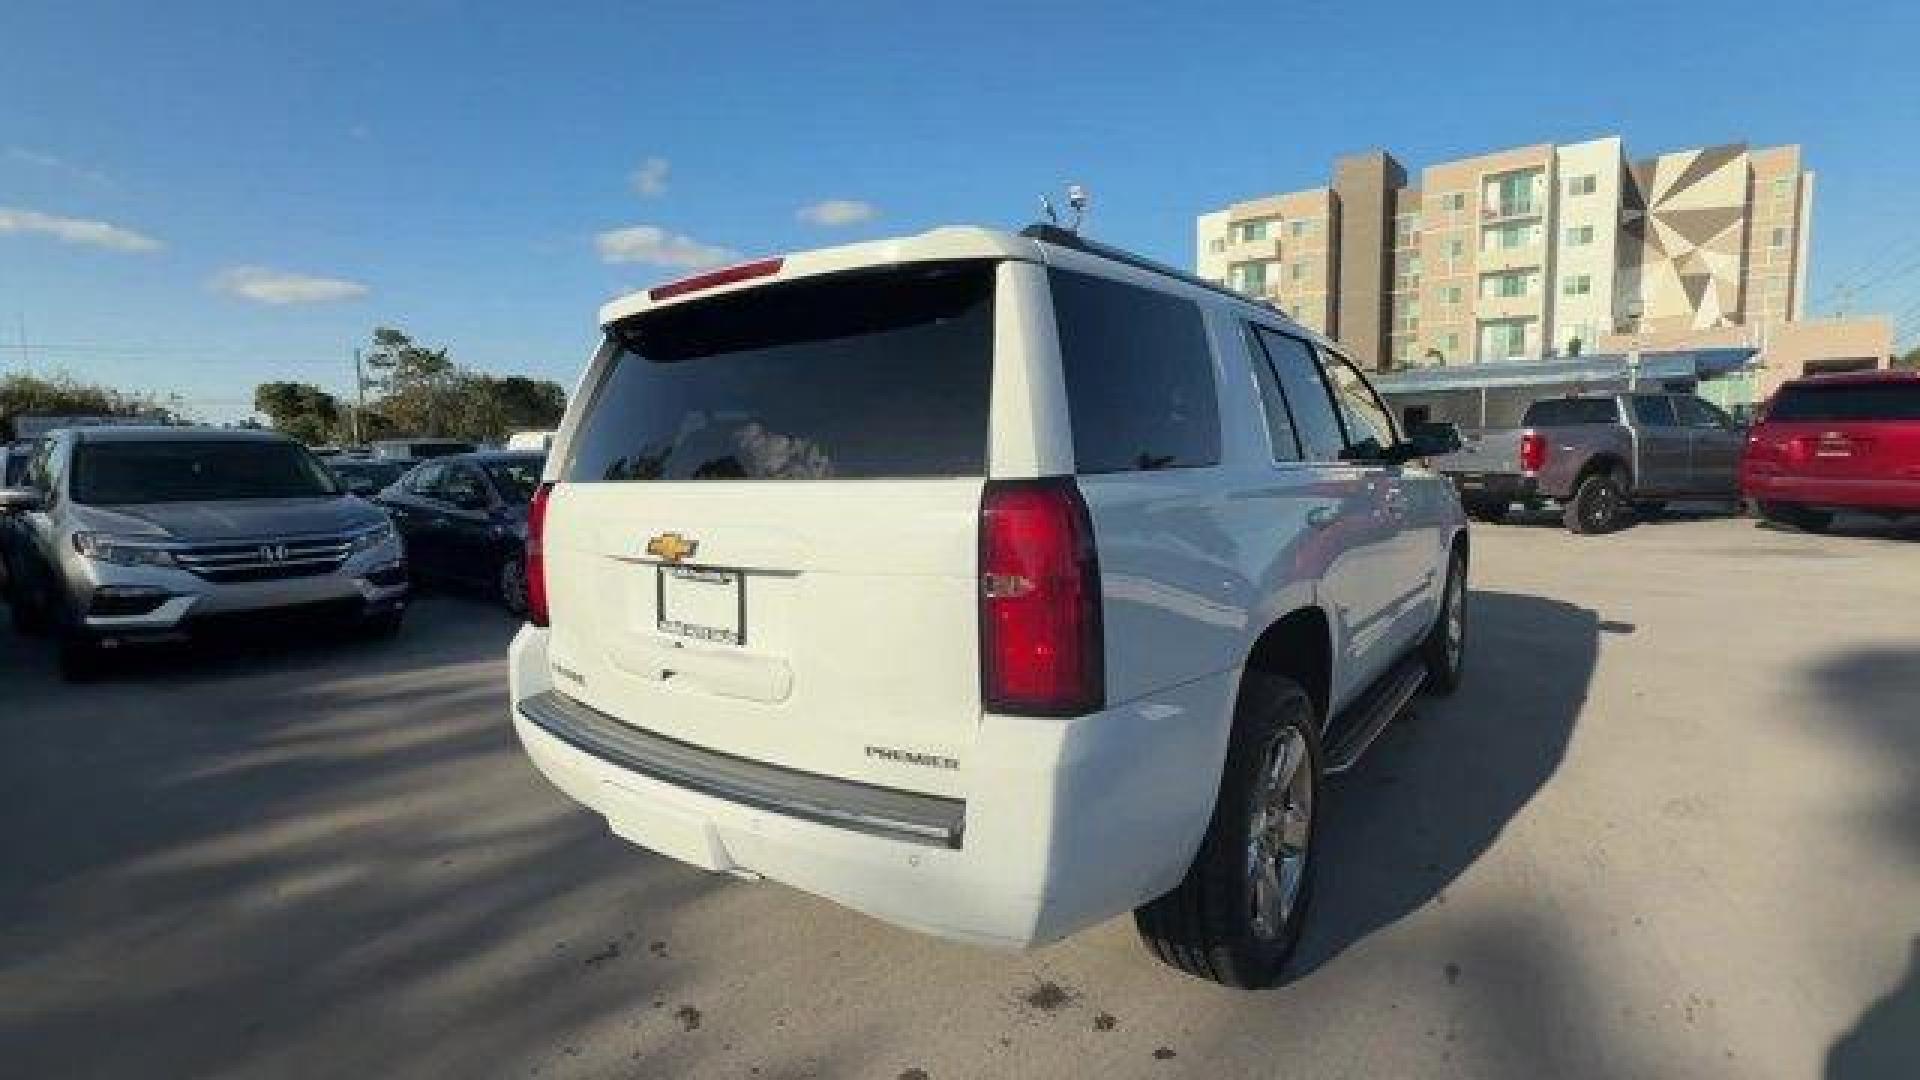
(267, 560)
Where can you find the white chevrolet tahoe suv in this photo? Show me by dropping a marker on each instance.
(990, 584)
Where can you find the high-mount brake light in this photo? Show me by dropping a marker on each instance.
(726, 275)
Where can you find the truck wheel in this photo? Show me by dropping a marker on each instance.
(1798, 517)
(1236, 916)
(1599, 505)
(1445, 649)
(513, 584)
(1487, 510)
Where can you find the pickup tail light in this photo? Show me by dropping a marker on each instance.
(1533, 451)
(537, 555)
(1041, 641)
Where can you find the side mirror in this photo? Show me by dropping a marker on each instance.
(1434, 440)
(19, 500)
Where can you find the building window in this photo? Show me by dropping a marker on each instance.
(1577, 285)
(1298, 271)
(1579, 235)
(1217, 245)
(1506, 286)
(1456, 201)
(1251, 231)
(1782, 187)
(1455, 294)
(1509, 237)
(1299, 227)
(1503, 340)
(1406, 230)
(1583, 185)
(1250, 278)
(1453, 344)
(1779, 238)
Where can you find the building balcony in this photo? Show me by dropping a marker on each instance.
(1494, 260)
(1525, 306)
(1512, 208)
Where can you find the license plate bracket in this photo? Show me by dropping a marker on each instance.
(701, 603)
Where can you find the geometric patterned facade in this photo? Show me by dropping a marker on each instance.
(1535, 251)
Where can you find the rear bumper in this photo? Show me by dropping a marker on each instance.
(1066, 822)
(1888, 493)
(1495, 487)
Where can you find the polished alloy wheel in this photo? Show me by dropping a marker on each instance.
(1456, 619)
(1277, 835)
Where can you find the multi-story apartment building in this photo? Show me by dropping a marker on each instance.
(1530, 252)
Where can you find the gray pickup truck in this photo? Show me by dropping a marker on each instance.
(1601, 457)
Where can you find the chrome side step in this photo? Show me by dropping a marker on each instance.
(1366, 718)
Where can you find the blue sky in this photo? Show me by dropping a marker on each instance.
(270, 181)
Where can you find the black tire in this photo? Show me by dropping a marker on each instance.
(1207, 925)
(384, 625)
(510, 584)
(1599, 505)
(1490, 511)
(82, 660)
(27, 608)
(1798, 517)
(1444, 653)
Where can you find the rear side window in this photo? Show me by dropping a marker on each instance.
(1847, 402)
(1655, 412)
(1309, 402)
(864, 375)
(1139, 376)
(1564, 412)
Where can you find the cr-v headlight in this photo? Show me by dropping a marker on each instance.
(371, 538)
(122, 550)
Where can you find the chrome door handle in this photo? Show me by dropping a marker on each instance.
(1321, 517)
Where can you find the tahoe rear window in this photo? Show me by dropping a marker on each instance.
(1847, 401)
(863, 375)
(184, 470)
(1561, 412)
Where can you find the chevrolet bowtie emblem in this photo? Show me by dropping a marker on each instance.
(671, 547)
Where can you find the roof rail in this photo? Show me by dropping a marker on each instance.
(1067, 238)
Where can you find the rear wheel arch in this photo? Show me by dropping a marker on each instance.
(1605, 464)
(1298, 645)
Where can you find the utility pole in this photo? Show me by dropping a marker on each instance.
(360, 396)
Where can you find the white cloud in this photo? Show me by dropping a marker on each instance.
(658, 247)
(58, 164)
(264, 286)
(650, 179)
(838, 212)
(75, 230)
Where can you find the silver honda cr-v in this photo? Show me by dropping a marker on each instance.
(130, 534)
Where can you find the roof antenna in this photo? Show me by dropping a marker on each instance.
(1077, 201)
(1046, 207)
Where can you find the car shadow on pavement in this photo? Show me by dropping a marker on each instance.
(1550, 517)
(1860, 526)
(1435, 792)
(1874, 694)
(323, 860)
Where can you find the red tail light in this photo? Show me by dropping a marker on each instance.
(1533, 451)
(537, 555)
(726, 275)
(1040, 634)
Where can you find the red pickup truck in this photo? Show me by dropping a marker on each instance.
(1836, 442)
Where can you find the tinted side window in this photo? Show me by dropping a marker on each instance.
(1273, 401)
(461, 485)
(1654, 412)
(1699, 414)
(1139, 376)
(1565, 412)
(1308, 400)
(1369, 425)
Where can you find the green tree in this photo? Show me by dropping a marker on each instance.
(422, 391)
(62, 394)
(299, 409)
(1910, 361)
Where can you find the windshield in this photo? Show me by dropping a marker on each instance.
(108, 473)
(515, 478)
(860, 375)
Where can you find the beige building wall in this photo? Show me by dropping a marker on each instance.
(1774, 249)
(1366, 191)
(1584, 243)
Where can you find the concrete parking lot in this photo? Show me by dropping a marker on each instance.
(1670, 827)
